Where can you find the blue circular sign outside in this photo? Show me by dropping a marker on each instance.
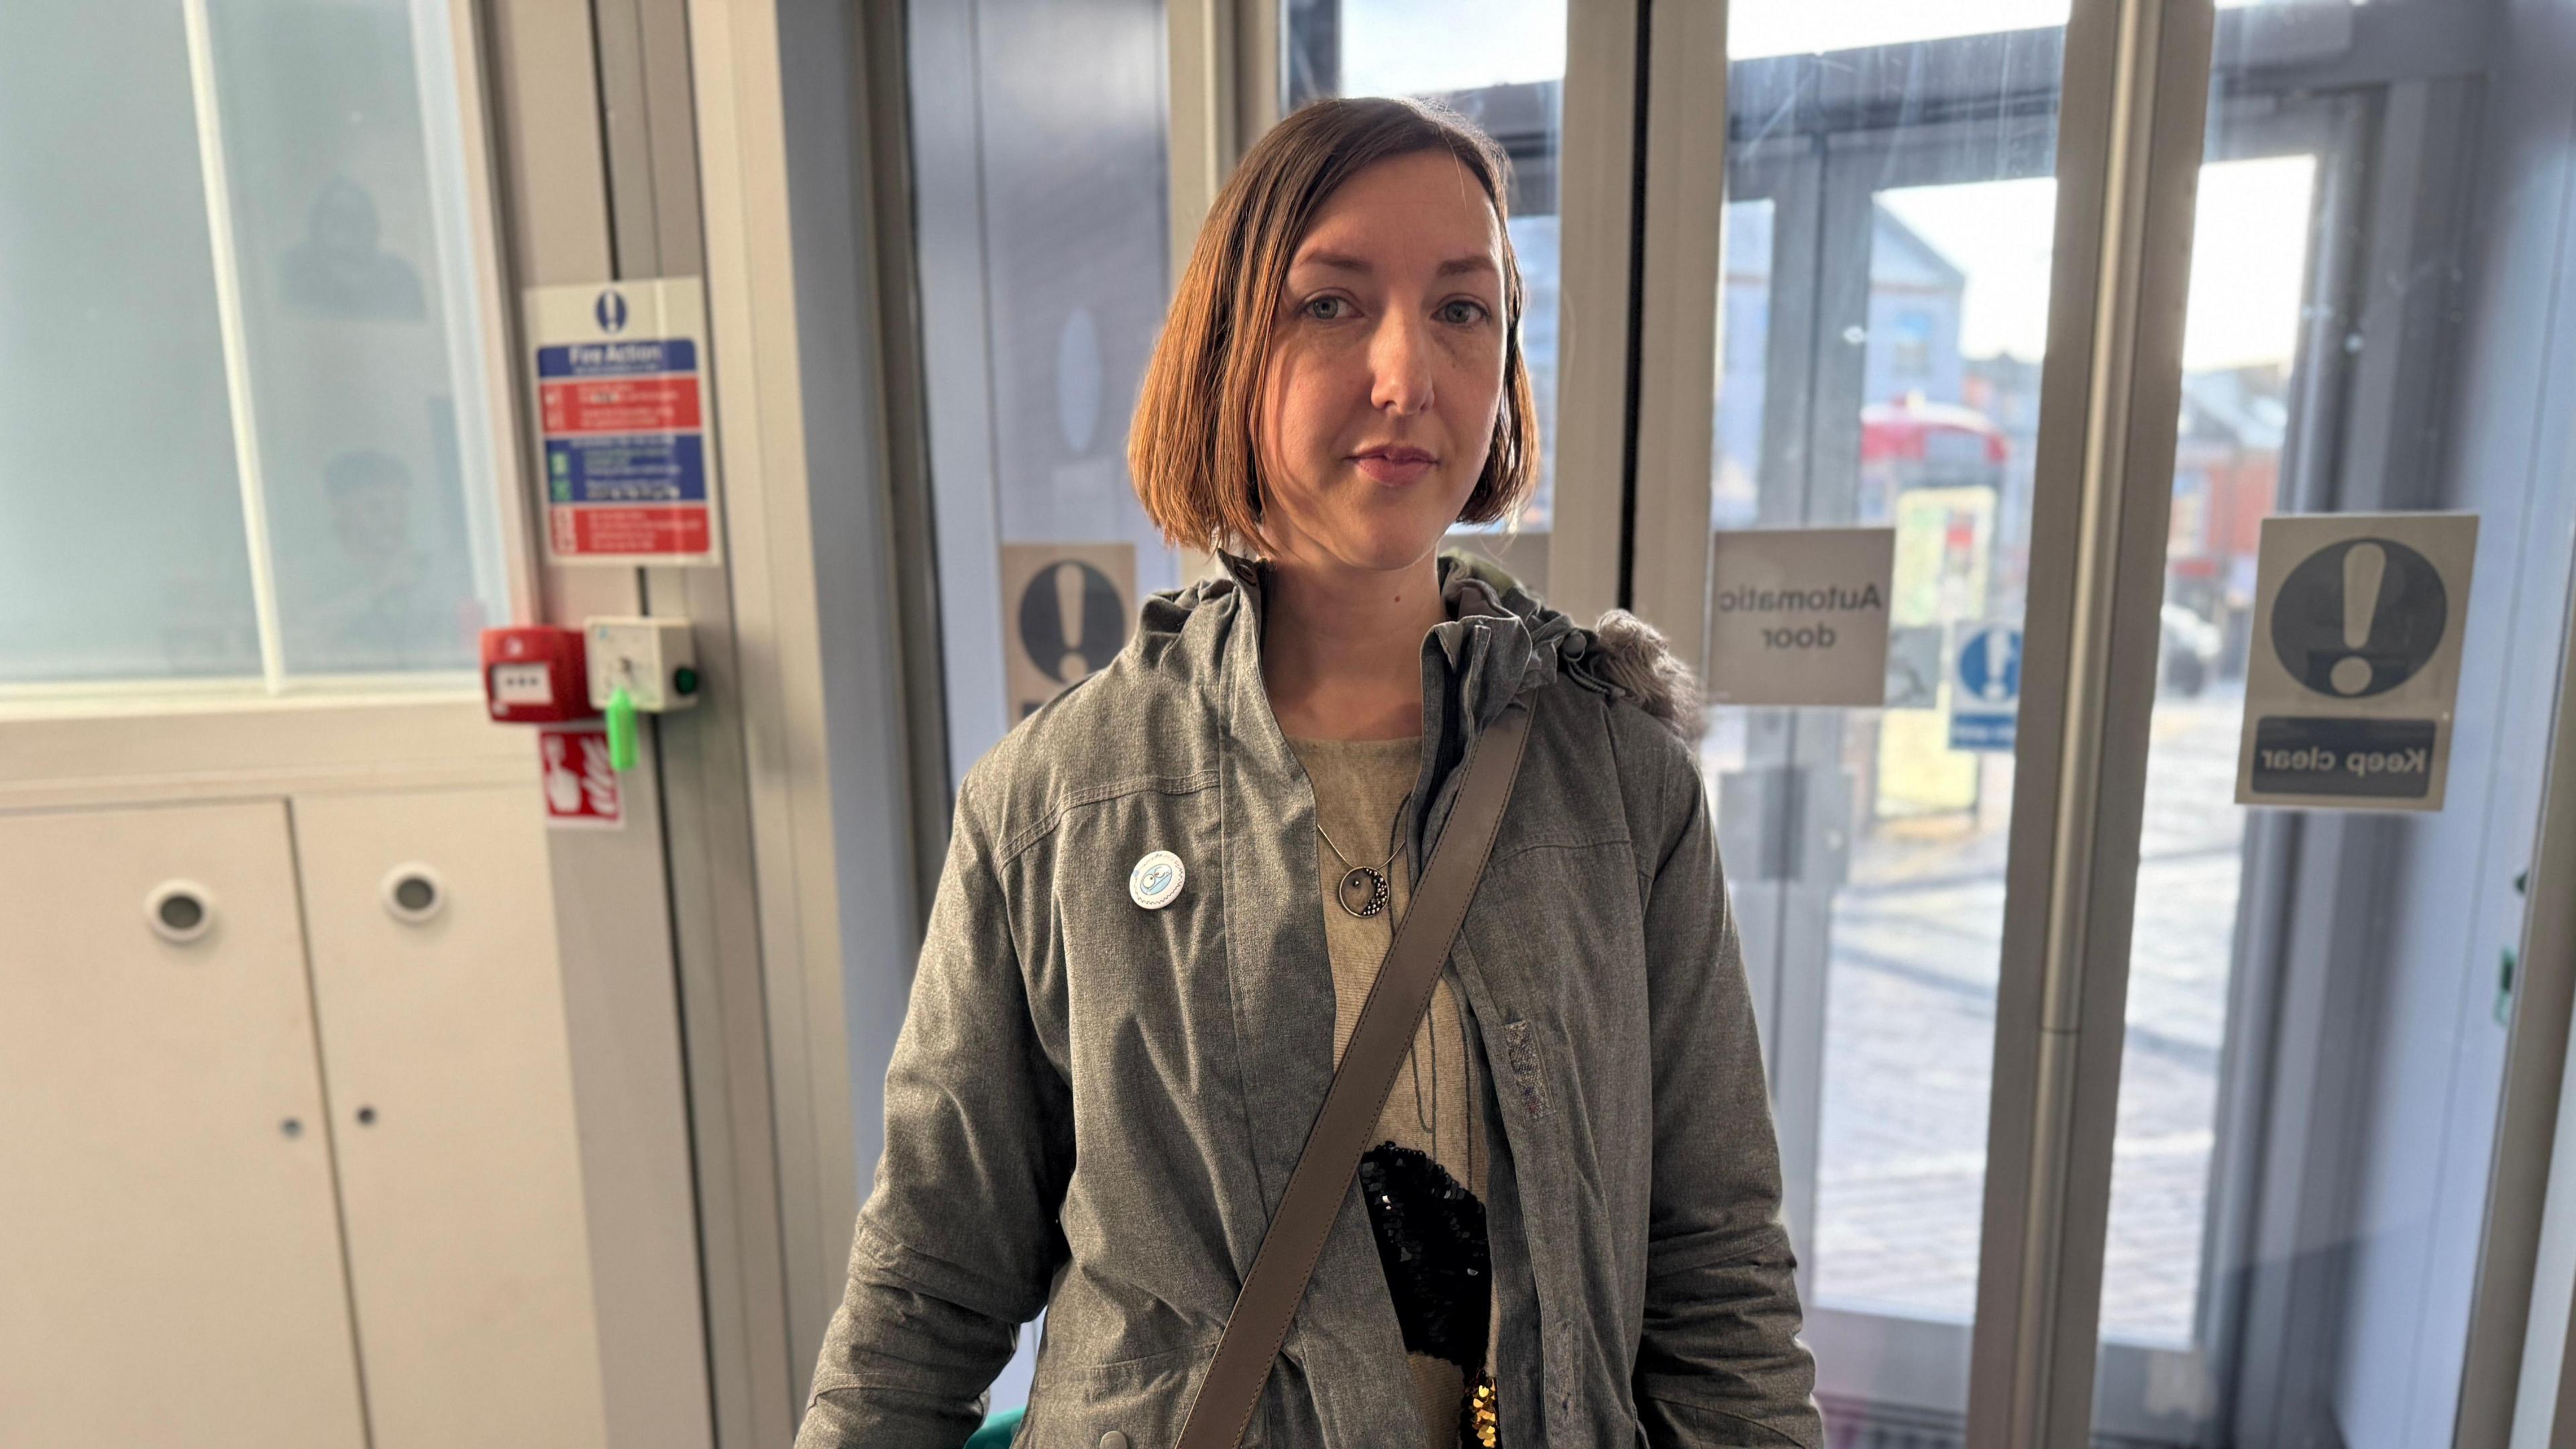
(1990, 665)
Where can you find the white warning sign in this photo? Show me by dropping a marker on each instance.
(1065, 611)
(2355, 665)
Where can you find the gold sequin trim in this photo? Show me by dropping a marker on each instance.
(1482, 1423)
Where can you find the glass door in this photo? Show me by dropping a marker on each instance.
(2321, 1002)
(2280, 1131)
(1503, 66)
(1884, 295)
(2067, 1048)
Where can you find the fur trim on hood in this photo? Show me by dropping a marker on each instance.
(1636, 657)
(1621, 655)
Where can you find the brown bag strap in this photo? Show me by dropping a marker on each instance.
(1370, 1060)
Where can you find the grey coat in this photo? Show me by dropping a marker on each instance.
(1093, 1107)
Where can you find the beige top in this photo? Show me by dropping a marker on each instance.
(1424, 1182)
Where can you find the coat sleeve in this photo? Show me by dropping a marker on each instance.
(959, 1238)
(1719, 1362)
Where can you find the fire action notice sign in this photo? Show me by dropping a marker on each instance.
(628, 464)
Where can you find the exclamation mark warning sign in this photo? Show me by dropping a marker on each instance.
(2355, 665)
(1066, 609)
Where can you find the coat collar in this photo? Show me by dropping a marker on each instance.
(1499, 644)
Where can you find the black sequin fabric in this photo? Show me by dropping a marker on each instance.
(1431, 1241)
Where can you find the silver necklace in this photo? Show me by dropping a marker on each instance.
(1363, 891)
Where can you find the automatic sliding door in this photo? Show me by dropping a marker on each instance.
(2317, 1003)
(2320, 1001)
(1885, 300)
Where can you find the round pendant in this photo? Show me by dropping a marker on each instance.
(1363, 892)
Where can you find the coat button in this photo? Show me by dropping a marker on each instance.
(1113, 1440)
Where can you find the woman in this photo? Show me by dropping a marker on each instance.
(1569, 1233)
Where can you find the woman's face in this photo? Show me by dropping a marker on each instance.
(1387, 367)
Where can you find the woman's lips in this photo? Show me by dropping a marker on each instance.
(1395, 465)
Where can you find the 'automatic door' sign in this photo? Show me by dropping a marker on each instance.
(1799, 616)
(2355, 664)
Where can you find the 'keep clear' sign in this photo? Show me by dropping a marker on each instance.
(2355, 665)
(1799, 616)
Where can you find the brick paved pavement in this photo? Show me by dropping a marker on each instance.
(1910, 1034)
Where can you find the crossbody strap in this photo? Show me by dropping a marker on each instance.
(1370, 1060)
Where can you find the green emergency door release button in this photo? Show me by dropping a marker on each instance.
(621, 729)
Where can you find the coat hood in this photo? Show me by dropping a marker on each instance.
(1500, 642)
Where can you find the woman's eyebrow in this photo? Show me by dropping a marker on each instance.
(1345, 262)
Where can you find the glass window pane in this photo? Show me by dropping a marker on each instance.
(1885, 302)
(2250, 256)
(125, 556)
(1852, 24)
(121, 546)
(2319, 1001)
(357, 317)
(1043, 223)
(1042, 220)
(1745, 340)
(1503, 66)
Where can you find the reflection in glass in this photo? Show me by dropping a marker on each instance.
(122, 465)
(364, 373)
(1851, 24)
(1745, 321)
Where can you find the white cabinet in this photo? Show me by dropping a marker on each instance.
(431, 925)
(167, 1234)
(185, 1260)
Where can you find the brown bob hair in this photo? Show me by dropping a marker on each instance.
(1192, 450)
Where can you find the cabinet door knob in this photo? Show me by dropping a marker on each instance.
(179, 911)
(413, 893)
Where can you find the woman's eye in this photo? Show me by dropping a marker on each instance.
(1327, 309)
(1462, 313)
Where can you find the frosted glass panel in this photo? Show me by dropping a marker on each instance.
(121, 545)
(123, 550)
(369, 445)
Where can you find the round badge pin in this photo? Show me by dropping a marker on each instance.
(1156, 880)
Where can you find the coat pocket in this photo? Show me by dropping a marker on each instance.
(1138, 1403)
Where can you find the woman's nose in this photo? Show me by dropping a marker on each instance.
(1400, 359)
